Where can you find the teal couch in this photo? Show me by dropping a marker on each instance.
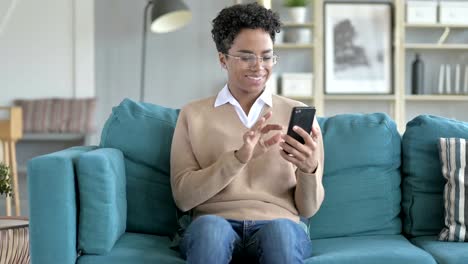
(112, 203)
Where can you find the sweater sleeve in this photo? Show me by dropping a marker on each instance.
(309, 193)
(191, 184)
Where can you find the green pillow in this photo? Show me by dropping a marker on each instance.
(103, 204)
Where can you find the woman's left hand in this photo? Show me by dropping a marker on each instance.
(304, 156)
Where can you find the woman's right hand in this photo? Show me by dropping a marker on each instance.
(254, 143)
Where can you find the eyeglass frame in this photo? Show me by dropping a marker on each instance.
(274, 57)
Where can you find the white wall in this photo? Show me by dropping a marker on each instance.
(46, 49)
(181, 66)
(84, 48)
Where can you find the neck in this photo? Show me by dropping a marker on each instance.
(246, 100)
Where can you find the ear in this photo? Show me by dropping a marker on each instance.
(222, 59)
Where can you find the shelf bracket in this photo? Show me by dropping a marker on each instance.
(444, 36)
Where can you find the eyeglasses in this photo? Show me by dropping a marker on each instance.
(250, 60)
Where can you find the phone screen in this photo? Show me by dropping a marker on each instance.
(301, 116)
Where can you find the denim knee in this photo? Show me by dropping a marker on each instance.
(283, 241)
(208, 236)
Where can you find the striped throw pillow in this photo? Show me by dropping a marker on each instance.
(58, 115)
(454, 159)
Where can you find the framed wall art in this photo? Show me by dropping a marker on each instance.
(358, 47)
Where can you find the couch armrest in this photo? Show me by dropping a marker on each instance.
(53, 206)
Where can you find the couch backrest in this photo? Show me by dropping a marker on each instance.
(423, 183)
(361, 177)
(143, 132)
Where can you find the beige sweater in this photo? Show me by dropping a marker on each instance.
(208, 178)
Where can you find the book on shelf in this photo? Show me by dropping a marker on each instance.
(448, 83)
(440, 89)
(465, 86)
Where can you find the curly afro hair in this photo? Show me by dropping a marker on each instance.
(231, 20)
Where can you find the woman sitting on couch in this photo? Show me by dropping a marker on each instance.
(228, 160)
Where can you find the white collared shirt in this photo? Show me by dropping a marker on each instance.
(225, 96)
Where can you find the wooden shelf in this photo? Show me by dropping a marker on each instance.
(437, 46)
(436, 97)
(301, 98)
(435, 26)
(360, 97)
(293, 46)
(293, 24)
(53, 136)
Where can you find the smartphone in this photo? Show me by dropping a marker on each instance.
(301, 116)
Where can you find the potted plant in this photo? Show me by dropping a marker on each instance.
(297, 10)
(5, 180)
(297, 14)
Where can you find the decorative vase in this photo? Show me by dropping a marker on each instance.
(297, 14)
(417, 76)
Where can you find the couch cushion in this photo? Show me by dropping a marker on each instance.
(143, 132)
(134, 248)
(361, 177)
(103, 204)
(380, 249)
(423, 183)
(443, 252)
(454, 159)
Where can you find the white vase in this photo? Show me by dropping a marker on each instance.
(297, 14)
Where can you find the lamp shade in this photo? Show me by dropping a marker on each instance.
(169, 15)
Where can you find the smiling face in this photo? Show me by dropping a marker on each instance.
(248, 80)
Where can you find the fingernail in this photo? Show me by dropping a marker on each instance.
(294, 127)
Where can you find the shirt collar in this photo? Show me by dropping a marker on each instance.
(225, 96)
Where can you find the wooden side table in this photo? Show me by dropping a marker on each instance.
(11, 130)
(14, 240)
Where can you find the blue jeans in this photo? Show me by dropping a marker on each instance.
(213, 239)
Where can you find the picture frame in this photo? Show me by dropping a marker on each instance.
(358, 47)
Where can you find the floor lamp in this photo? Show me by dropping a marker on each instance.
(166, 16)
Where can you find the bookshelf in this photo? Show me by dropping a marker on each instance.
(399, 102)
(441, 47)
